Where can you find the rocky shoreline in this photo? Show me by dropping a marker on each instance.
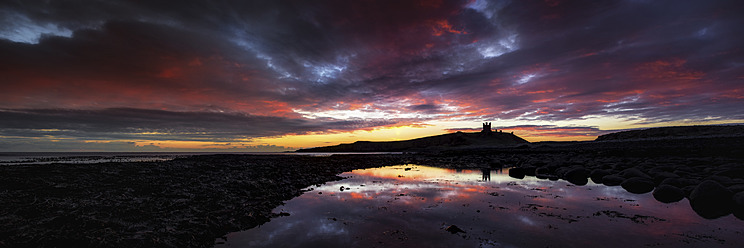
(709, 171)
(189, 202)
(180, 203)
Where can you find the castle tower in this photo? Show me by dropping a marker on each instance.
(486, 127)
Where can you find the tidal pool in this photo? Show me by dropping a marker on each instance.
(420, 206)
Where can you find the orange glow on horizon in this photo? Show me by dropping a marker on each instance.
(293, 142)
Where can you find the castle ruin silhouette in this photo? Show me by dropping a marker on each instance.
(486, 127)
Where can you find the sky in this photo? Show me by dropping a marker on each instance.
(252, 76)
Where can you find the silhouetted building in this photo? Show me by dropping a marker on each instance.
(486, 127)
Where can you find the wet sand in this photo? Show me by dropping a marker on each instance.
(191, 201)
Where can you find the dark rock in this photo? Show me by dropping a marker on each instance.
(683, 173)
(667, 193)
(680, 182)
(736, 188)
(612, 180)
(663, 168)
(580, 181)
(454, 229)
(738, 210)
(638, 185)
(732, 172)
(633, 172)
(530, 171)
(711, 200)
(724, 180)
(561, 171)
(620, 166)
(577, 175)
(663, 175)
(543, 170)
(688, 189)
(597, 175)
(517, 172)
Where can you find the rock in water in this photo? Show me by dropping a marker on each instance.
(577, 176)
(517, 173)
(530, 171)
(667, 193)
(711, 200)
(580, 181)
(612, 180)
(454, 229)
(598, 174)
(739, 205)
(543, 171)
(638, 185)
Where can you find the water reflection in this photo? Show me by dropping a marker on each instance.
(412, 206)
(486, 174)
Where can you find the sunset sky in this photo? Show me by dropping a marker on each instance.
(276, 75)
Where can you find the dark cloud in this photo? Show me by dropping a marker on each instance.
(324, 65)
(145, 124)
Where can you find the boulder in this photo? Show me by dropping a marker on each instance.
(724, 180)
(598, 174)
(561, 171)
(736, 188)
(711, 200)
(667, 193)
(732, 172)
(688, 189)
(579, 181)
(577, 175)
(530, 171)
(633, 172)
(680, 182)
(517, 173)
(662, 175)
(612, 180)
(738, 210)
(638, 185)
(543, 170)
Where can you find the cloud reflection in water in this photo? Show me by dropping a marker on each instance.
(411, 205)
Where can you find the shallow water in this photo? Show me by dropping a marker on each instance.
(413, 206)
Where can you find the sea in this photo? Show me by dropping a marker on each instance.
(20, 158)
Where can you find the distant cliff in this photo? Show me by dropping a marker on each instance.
(675, 132)
(459, 139)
